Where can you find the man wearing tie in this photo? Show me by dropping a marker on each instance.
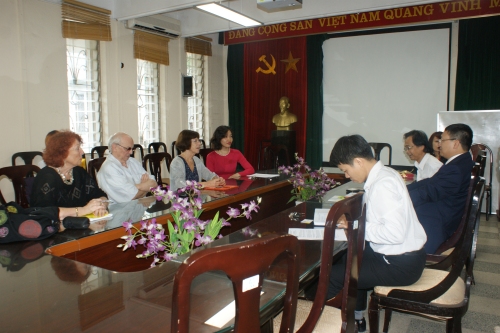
(440, 200)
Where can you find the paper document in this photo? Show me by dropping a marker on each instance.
(320, 215)
(94, 218)
(263, 175)
(315, 234)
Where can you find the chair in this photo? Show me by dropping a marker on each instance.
(135, 148)
(99, 150)
(228, 258)
(174, 149)
(274, 156)
(475, 148)
(26, 156)
(204, 153)
(440, 293)
(154, 161)
(377, 148)
(262, 145)
(94, 166)
(17, 174)
(315, 316)
(156, 147)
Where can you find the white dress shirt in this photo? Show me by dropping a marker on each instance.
(392, 226)
(427, 167)
(118, 181)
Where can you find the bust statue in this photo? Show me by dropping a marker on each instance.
(285, 119)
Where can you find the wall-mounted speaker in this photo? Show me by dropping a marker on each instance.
(187, 86)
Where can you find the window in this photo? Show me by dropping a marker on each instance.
(84, 90)
(147, 102)
(196, 110)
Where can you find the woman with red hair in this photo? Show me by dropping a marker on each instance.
(64, 183)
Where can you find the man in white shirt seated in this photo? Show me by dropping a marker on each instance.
(123, 178)
(394, 253)
(418, 149)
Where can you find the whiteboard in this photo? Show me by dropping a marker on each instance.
(383, 85)
(485, 127)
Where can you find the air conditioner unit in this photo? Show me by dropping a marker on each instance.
(278, 5)
(157, 24)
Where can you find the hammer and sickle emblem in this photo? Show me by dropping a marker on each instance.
(270, 69)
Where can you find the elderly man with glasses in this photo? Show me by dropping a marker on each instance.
(440, 200)
(418, 149)
(123, 178)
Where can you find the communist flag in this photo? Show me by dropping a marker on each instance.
(273, 69)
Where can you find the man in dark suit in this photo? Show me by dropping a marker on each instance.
(440, 200)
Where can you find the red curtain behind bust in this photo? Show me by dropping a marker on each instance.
(263, 90)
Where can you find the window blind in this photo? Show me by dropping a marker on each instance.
(198, 45)
(151, 47)
(83, 21)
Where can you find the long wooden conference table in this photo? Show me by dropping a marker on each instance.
(122, 294)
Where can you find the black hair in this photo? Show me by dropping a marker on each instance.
(419, 139)
(183, 142)
(462, 133)
(347, 148)
(219, 134)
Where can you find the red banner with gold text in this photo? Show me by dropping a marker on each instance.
(429, 13)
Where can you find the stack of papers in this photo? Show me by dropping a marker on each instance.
(264, 175)
(94, 218)
(315, 234)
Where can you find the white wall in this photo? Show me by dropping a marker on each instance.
(33, 87)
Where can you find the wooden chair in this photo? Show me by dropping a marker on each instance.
(137, 147)
(99, 150)
(273, 156)
(377, 148)
(174, 150)
(475, 149)
(18, 174)
(315, 316)
(262, 145)
(94, 166)
(229, 259)
(26, 156)
(440, 293)
(204, 153)
(154, 161)
(155, 146)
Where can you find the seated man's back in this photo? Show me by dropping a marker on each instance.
(440, 200)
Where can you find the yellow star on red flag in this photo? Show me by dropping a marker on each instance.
(291, 62)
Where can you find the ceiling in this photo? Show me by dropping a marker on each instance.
(195, 22)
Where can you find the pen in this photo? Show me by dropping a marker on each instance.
(106, 201)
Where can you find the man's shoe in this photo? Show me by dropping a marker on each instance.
(361, 323)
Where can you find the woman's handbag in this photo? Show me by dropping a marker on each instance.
(19, 224)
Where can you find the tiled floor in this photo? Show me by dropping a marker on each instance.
(484, 309)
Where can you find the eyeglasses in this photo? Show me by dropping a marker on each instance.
(406, 148)
(441, 140)
(126, 148)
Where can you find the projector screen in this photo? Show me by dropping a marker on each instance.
(383, 85)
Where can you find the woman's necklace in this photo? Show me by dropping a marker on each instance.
(63, 177)
(221, 153)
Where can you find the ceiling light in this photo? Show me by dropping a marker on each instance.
(228, 14)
